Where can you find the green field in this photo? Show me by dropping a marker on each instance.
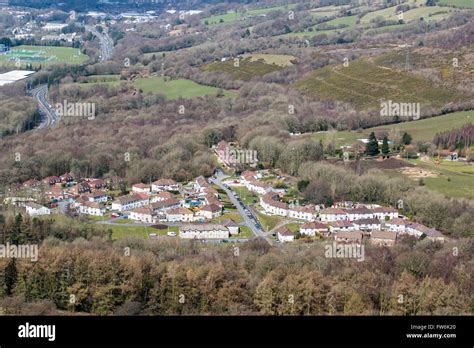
(353, 84)
(268, 222)
(421, 130)
(246, 69)
(458, 3)
(43, 55)
(282, 60)
(342, 22)
(140, 231)
(174, 89)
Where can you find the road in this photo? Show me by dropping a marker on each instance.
(105, 42)
(244, 211)
(48, 115)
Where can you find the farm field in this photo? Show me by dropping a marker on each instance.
(457, 3)
(420, 130)
(175, 89)
(43, 55)
(364, 91)
(246, 70)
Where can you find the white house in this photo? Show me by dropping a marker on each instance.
(397, 225)
(359, 213)
(92, 208)
(164, 185)
(332, 214)
(232, 226)
(129, 202)
(162, 196)
(203, 231)
(165, 205)
(271, 206)
(144, 214)
(383, 238)
(367, 224)
(97, 197)
(35, 209)
(417, 230)
(350, 237)
(385, 213)
(200, 183)
(179, 214)
(341, 226)
(307, 213)
(210, 211)
(285, 235)
(310, 229)
(141, 188)
(258, 186)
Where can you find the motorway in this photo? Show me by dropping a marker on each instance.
(105, 42)
(48, 115)
(249, 219)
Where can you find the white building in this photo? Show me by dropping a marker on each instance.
(359, 213)
(92, 208)
(141, 188)
(35, 209)
(144, 214)
(310, 229)
(307, 213)
(285, 235)
(164, 185)
(332, 214)
(97, 197)
(397, 225)
(203, 231)
(129, 202)
(385, 213)
(271, 206)
(367, 224)
(179, 214)
(211, 211)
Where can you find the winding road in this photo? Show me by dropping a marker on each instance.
(105, 42)
(48, 115)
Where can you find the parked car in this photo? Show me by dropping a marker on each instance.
(171, 234)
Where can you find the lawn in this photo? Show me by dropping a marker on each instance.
(246, 196)
(43, 55)
(268, 222)
(140, 231)
(94, 80)
(175, 89)
(246, 69)
(420, 130)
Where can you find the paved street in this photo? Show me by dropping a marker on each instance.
(48, 115)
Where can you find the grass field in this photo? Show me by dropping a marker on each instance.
(42, 55)
(94, 80)
(140, 231)
(364, 90)
(174, 89)
(268, 222)
(246, 69)
(453, 179)
(282, 60)
(458, 3)
(343, 22)
(421, 130)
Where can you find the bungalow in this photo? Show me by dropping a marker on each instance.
(232, 226)
(367, 224)
(350, 237)
(340, 226)
(200, 183)
(247, 176)
(129, 202)
(203, 231)
(51, 180)
(164, 185)
(211, 211)
(397, 225)
(383, 238)
(97, 196)
(284, 234)
(141, 188)
(179, 214)
(143, 214)
(272, 206)
(359, 213)
(307, 213)
(385, 213)
(332, 214)
(165, 205)
(92, 208)
(310, 229)
(258, 186)
(35, 209)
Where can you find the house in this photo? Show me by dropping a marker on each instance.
(95, 184)
(200, 183)
(97, 196)
(271, 206)
(211, 211)
(397, 225)
(164, 185)
(332, 214)
(66, 177)
(284, 234)
(367, 224)
(203, 231)
(232, 226)
(307, 213)
(310, 229)
(141, 188)
(129, 202)
(418, 230)
(340, 226)
(247, 176)
(162, 196)
(385, 213)
(35, 209)
(359, 213)
(54, 192)
(209, 198)
(383, 238)
(78, 189)
(92, 208)
(210, 191)
(32, 183)
(165, 205)
(349, 237)
(179, 214)
(142, 214)
(51, 180)
(258, 186)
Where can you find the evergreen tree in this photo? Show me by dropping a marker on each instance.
(385, 147)
(372, 148)
(11, 276)
(406, 139)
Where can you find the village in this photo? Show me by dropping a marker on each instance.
(215, 208)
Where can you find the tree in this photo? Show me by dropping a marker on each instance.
(11, 275)
(372, 148)
(406, 139)
(430, 2)
(385, 147)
